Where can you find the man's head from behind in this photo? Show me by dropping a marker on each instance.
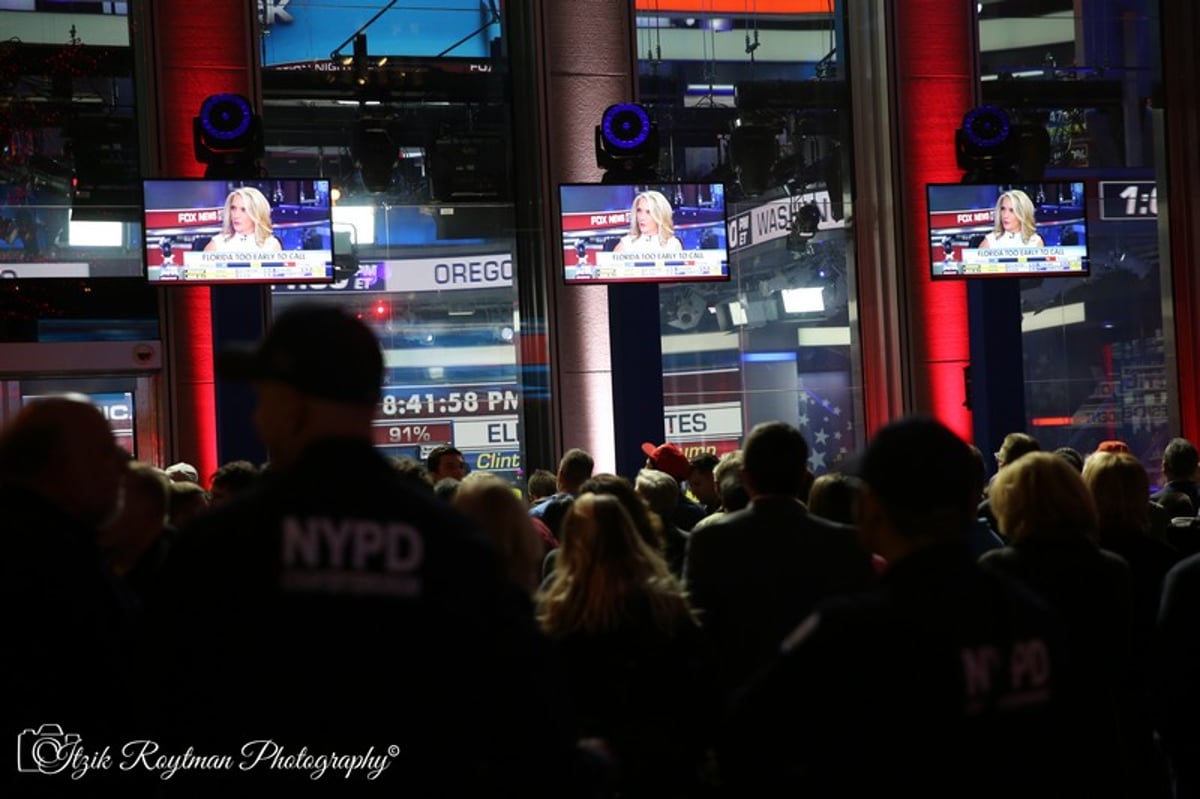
(919, 485)
(1014, 446)
(317, 373)
(63, 449)
(775, 460)
(142, 518)
(1180, 460)
(574, 470)
(233, 479)
(667, 458)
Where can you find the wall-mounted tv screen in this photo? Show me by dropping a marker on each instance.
(39, 238)
(1007, 230)
(661, 233)
(238, 231)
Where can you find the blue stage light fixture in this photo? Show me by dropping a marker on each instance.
(225, 117)
(227, 134)
(626, 142)
(986, 127)
(625, 126)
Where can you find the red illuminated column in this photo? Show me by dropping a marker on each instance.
(1181, 65)
(935, 49)
(195, 50)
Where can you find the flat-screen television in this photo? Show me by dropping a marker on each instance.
(203, 231)
(39, 238)
(631, 233)
(1007, 230)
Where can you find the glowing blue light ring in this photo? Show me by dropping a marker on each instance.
(226, 135)
(606, 123)
(991, 141)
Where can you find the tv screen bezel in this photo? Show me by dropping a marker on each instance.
(636, 186)
(931, 249)
(231, 183)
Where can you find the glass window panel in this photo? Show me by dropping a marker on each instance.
(411, 125)
(1094, 348)
(759, 99)
(70, 188)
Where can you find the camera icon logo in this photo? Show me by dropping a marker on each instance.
(47, 750)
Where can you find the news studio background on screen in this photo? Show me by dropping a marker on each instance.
(602, 243)
(963, 242)
(186, 243)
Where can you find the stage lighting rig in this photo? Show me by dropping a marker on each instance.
(753, 153)
(990, 145)
(227, 136)
(627, 143)
(375, 153)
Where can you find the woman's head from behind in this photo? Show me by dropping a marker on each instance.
(647, 523)
(1121, 490)
(598, 530)
(495, 507)
(833, 496)
(1040, 496)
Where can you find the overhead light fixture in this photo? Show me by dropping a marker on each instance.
(95, 234)
(375, 153)
(810, 299)
(805, 223)
(737, 313)
(227, 135)
(627, 142)
(358, 219)
(359, 59)
(753, 151)
(991, 146)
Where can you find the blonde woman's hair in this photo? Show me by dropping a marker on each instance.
(607, 576)
(1040, 496)
(497, 508)
(660, 211)
(1121, 490)
(1023, 208)
(258, 209)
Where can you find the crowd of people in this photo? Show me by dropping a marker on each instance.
(709, 627)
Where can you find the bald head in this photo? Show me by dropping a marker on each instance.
(63, 449)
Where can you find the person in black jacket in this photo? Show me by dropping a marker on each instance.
(337, 611)
(72, 630)
(755, 574)
(941, 682)
(1177, 684)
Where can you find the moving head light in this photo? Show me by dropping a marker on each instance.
(227, 132)
(626, 140)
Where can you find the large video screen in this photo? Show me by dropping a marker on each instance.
(661, 233)
(238, 231)
(1007, 230)
(39, 239)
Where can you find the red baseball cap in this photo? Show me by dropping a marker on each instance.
(668, 458)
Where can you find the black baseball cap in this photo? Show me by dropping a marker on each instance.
(318, 350)
(917, 464)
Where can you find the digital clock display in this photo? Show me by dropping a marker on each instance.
(1128, 200)
(453, 402)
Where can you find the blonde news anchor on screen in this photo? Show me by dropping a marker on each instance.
(246, 224)
(1015, 226)
(651, 225)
